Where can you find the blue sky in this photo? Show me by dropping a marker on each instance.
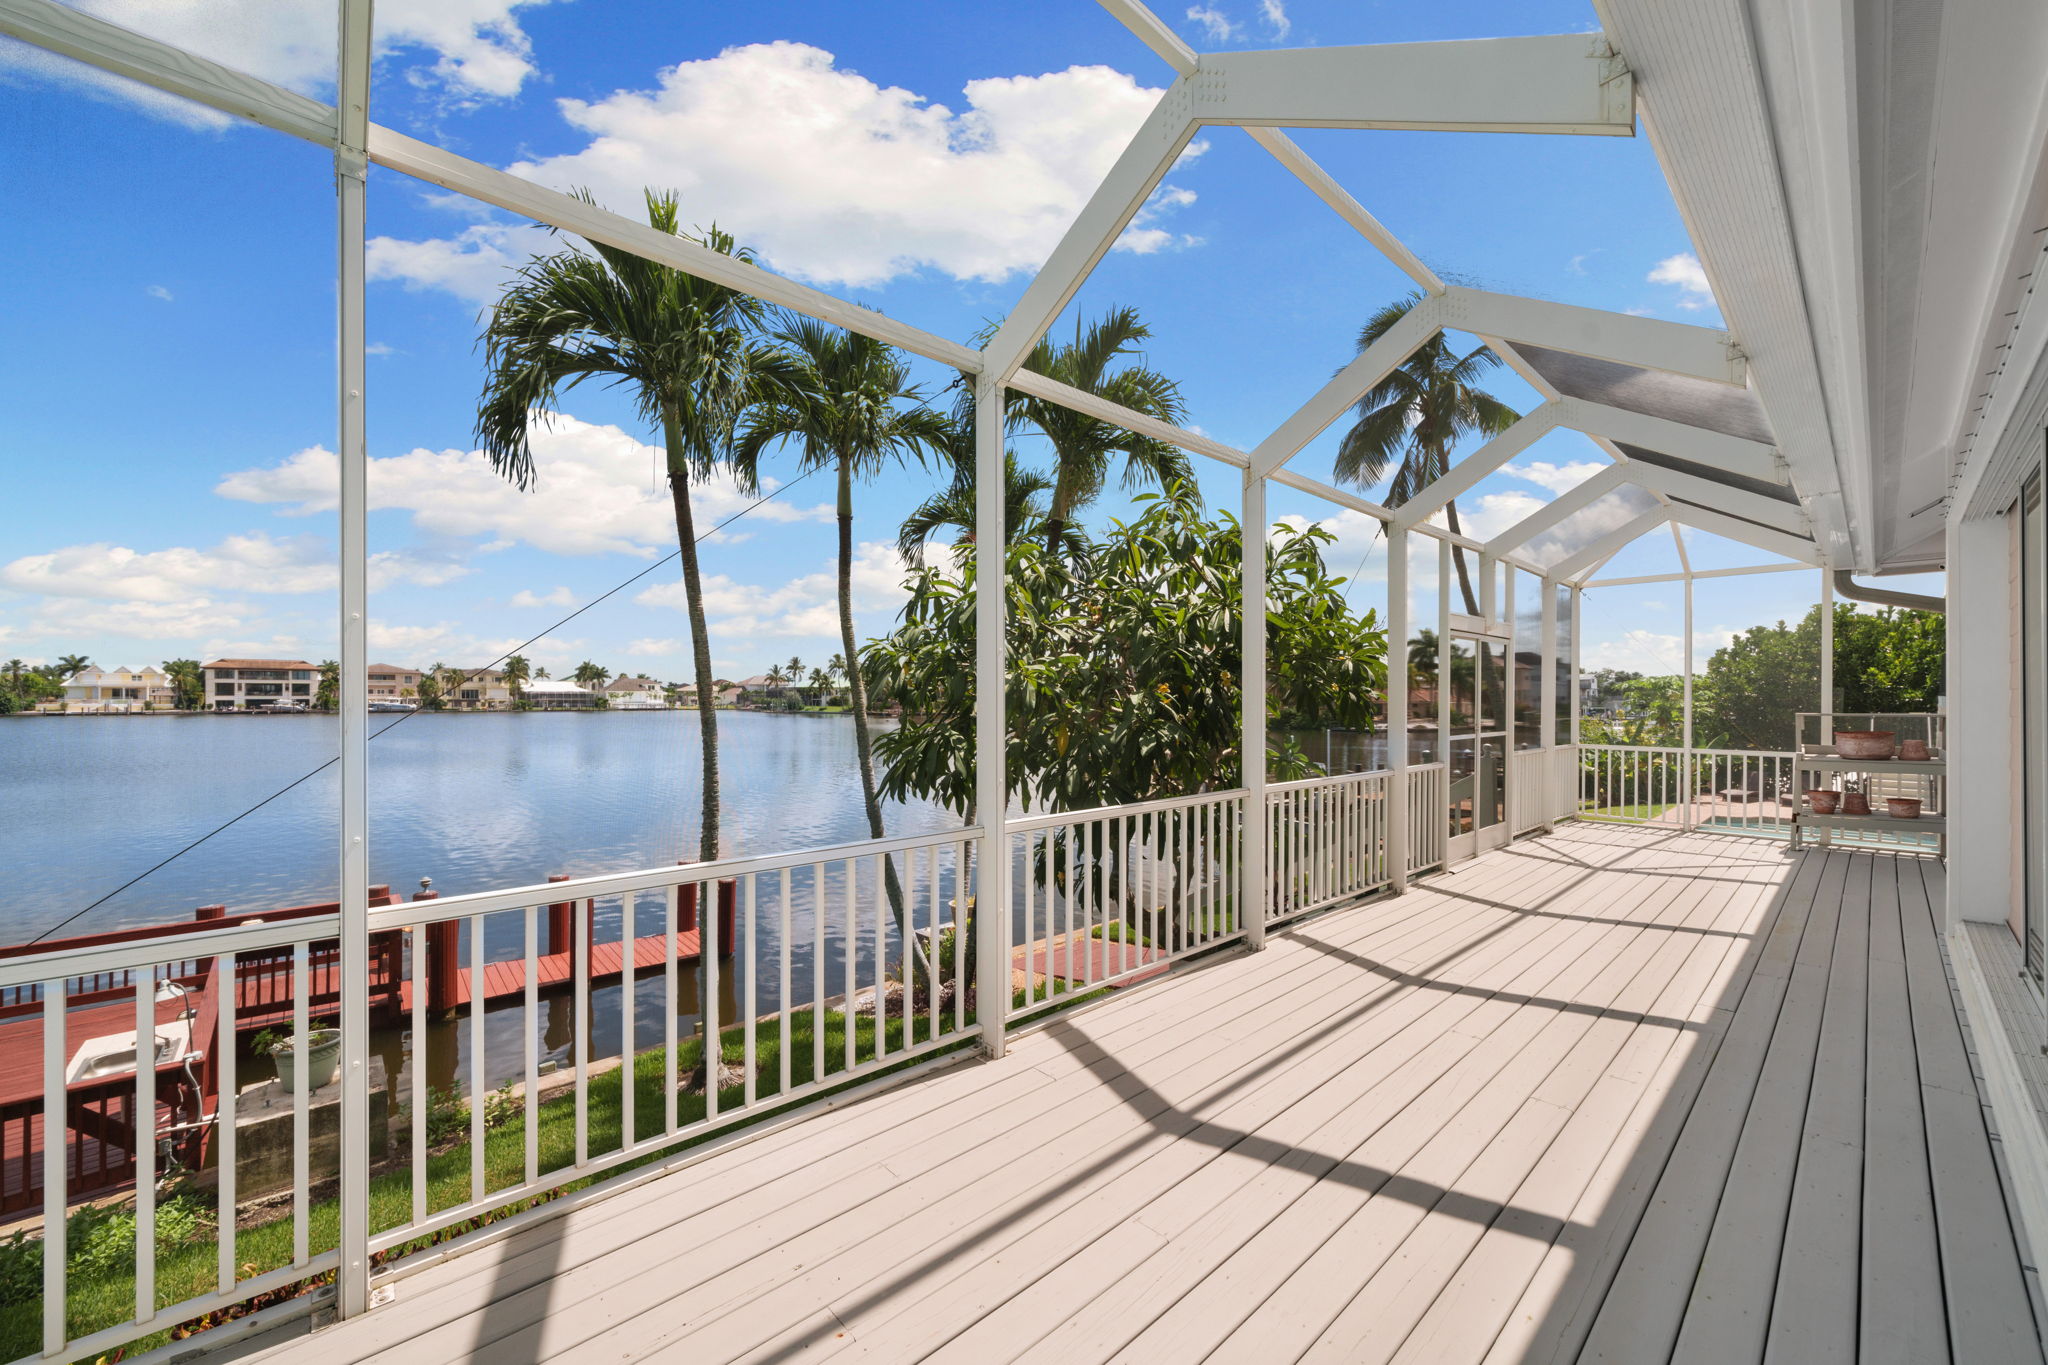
(168, 373)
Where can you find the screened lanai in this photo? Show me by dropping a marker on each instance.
(1561, 996)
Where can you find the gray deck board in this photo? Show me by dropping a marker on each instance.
(1610, 1094)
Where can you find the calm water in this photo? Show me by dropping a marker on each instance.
(476, 802)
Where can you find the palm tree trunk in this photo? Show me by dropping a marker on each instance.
(702, 1076)
(1458, 558)
(857, 694)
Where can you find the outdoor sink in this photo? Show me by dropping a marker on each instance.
(113, 1054)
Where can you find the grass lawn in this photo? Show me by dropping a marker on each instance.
(106, 1297)
(1646, 810)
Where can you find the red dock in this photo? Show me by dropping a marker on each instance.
(506, 980)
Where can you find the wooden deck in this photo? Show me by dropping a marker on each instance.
(1625, 1095)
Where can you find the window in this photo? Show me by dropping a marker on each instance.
(223, 672)
(299, 673)
(300, 689)
(223, 689)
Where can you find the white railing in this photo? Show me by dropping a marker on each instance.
(1634, 784)
(166, 1130)
(805, 973)
(1529, 787)
(1106, 898)
(1429, 831)
(1327, 841)
(1742, 791)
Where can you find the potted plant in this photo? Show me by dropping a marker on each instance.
(323, 1056)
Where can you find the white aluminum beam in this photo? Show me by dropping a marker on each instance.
(991, 724)
(1459, 479)
(1650, 343)
(167, 68)
(59, 28)
(1325, 188)
(1753, 459)
(1610, 544)
(1144, 162)
(1561, 83)
(1375, 363)
(1672, 483)
(1758, 537)
(1081, 401)
(1697, 573)
(1557, 509)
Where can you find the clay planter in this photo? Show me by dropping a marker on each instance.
(1824, 802)
(1865, 744)
(1914, 750)
(1902, 807)
(1855, 803)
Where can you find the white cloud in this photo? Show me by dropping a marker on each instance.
(558, 597)
(1558, 478)
(1215, 23)
(833, 178)
(422, 646)
(254, 563)
(474, 264)
(1684, 271)
(1638, 651)
(379, 348)
(464, 50)
(656, 649)
(182, 620)
(250, 563)
(1274, 12)
(593, 496)
(157, 291)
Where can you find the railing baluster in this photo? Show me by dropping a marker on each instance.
(710, 913)
(817, 973)
(960, 885)
(852, 975)
(783, 992)
(671, 914)
(145, 1144)
(417, 1154)
(302, 1024)
(530, 1013)
(752, 1009)
(881, 957)
(580, 970)
(477, 1054)
(629, 1017)
(224, 1127)
(56, 1162)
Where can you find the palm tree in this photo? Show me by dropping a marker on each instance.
(1417, 415)
(689, 351)
(775, 676)
(518, 669)
(1084, 446)
(589, 674)
(327, 696)
(188, 684)
(952, 509)
(850, 407)
(68, 664)
(431, 694)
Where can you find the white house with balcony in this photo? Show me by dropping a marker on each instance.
(118, 689)
(1519, 1047)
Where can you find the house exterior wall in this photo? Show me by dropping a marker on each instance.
(245, 684)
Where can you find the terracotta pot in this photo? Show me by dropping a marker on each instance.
(1902, 807)
(1913, 750)
(1855, 803)
(1864, 743)
(1823, 802)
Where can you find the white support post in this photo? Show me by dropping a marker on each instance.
(1827, 660)
(1397, 709)
(991, 729)
(1252, 733)
(1686, 764)
(1507, 727)
(1578, 634)
(350, 170)
(1443, 684)
(1546, 716)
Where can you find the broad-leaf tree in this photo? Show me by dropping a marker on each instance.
(1124, 666)
(688, 352)
(1413, 419)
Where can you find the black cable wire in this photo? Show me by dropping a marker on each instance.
(308, 776)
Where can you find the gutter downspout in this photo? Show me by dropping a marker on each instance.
(1847, 586)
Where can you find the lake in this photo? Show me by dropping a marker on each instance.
(475, 801)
